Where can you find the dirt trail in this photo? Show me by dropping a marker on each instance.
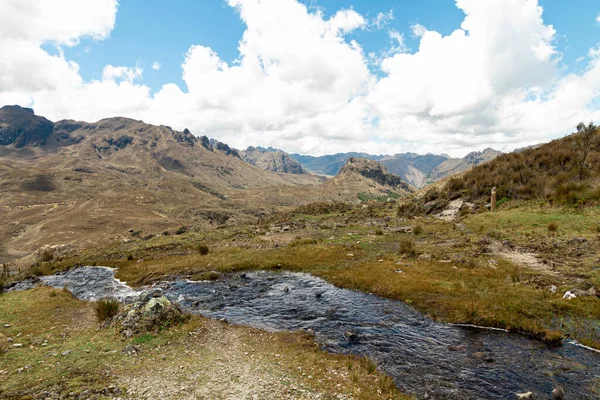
(512, 253)
(216, 363)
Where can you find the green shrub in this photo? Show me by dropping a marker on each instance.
(130, 257)
(166, 233)
(202, 249)
(181, 230)
(106, 309)
(379, 231)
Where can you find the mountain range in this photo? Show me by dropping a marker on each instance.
(418, 170)
(71, 181)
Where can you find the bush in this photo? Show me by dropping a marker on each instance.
(417, 229)
(203, 249)
(409, 209)
(106, 309)
(407, 247)
(166, 233)
(323, 207)
(379, 231)
(3, 344)
(181, 230)
(130, 257)
(552, 227)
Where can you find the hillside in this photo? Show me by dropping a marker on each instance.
(272, 160)
(76, 181)
(556, 171)
(418, 170)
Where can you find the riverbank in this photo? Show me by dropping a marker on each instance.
(56, 350)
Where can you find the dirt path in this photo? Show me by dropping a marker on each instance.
(218, 363)
(510, 252)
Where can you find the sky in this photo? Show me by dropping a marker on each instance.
(312, 76)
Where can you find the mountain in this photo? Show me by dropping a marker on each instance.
(416, 169)
(69, 181)
(374, 171)
(272, 160)
(454, 166)
(330, 164)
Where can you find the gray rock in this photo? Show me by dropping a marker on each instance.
(558, 393)
(351, 337)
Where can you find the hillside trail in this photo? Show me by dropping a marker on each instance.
(504, 249)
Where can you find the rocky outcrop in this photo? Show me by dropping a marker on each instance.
(374, 171)
(21, 127)
(224, 148)
(151, 312)
(272, 160)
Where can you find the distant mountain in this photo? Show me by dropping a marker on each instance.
(454, 166)
(416, 169)
(374, 171)
(272, 160)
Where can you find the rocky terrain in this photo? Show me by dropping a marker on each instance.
(272, 160)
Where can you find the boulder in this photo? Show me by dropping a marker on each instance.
(152, 312)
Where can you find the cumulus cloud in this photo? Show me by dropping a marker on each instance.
(155, 66)
(598, 18)
(299, 82)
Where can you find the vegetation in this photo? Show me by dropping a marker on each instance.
(202, 249)
(562, 171)
(106, 309)
(323, 207)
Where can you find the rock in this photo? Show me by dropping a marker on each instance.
(403, 229)
(508, 245)
(18, 345)
(7, 325)
(350, 255)
(525, 396)
(424, 256)
(481, 355)
(66, 352)
(351, 337)
(131, 350)
(573, 293)
(553, 289)
(148, 314)
(558, 393)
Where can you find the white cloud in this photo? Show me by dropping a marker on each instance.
(300, 84)
(418, 30)
(598, 18)
(382, 19)
(155, 66)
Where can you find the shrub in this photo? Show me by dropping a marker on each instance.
(552, 227)
(130, 257)
(106, 309)
(3, 344)
(379, 231)
(166, 233)
(407, 247)
(409, 209)
(203, 249)
(417, 229)
(323, 207)
(181, 230)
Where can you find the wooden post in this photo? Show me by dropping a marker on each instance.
(493, 207)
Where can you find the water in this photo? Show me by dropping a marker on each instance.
(426, 358)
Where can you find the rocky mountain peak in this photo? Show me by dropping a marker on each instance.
(372, 170)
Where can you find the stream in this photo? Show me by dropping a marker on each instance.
(428, 359)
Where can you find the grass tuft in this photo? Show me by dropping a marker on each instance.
(106, 309)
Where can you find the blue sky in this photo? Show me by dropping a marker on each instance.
(313, 76)
(156, 30)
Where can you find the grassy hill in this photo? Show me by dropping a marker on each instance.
(558, 172)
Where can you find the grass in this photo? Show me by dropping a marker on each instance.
(50, 323)
(457, 284)
(106, 309)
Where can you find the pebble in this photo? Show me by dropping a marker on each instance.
(18, 345)
(7, 325)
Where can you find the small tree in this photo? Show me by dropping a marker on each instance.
(586, 140)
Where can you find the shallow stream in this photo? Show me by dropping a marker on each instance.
(429, 359)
